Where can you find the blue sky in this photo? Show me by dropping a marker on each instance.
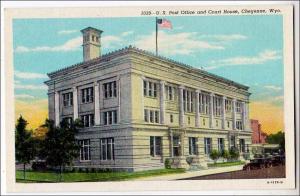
(246, 49)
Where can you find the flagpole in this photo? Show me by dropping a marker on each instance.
(156, 35)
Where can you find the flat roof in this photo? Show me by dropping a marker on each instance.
(152, 55)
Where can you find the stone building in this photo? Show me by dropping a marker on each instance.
(258, 136)
(139, 109)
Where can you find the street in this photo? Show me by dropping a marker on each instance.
(273, 172)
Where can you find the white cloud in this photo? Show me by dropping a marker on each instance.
(31, 87)
(229, 37)
(262, 57)
(110, 41)
(273, 87)
(177, 43)
(66, 32)
(24, 96)
(30, 75)
(126, 33)
(70, 45)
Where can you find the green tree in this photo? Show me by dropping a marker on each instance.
(60, 146)
(214, 155)
(234, 153)
(225, 154)
(24, 144)
(277, 138)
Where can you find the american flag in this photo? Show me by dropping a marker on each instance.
(164, 23)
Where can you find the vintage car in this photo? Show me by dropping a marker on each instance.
(257, 163)
(278, 160)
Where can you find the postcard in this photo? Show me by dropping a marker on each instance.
(157, 98)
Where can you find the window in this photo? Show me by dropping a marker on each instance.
(204, 103)
(189, 120)
(84, 150)
(192, 146)
(188, 101)
(145, 88)
(93, 38)
(150, 89)
(228, 105)
(232, 142)
(242, 145)
(217, 105)
(220, 144)
(151, 116)
(170, 93)
(228, 124)
(156, 117)
(146, 115)
(110, 89)
(107, 149)
(97, 39)
(68, 120)
(87, 120)
(207, 146)
(155, 146)
(203, 121)
(238, 106)
(110, 117)
(239, 125)
(68, 99)
(217, 123)
(171, 118)
(87, 95)
(176, 146)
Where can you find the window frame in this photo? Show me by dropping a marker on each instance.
(110, 89)
(207, 145)
(88, 120)
(193, 146)
(67, 99)
(87, 95)
(155, 146)
(105, 145)
(82, 150)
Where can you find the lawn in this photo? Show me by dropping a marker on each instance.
(226, 164)
(35, 176)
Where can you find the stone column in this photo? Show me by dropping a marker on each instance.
(197, 120)
(97, 105)
(171, 143)
(182, 144)
(223, 113)
(75, 103)
(244, 115)
(234, 114)
(181, 109)
(162, 102)
(211, 113)
(57, 105)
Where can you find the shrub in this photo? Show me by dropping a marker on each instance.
(234, 154)
(167, 163)
(189, 160)
(214, 155)
(225, 154)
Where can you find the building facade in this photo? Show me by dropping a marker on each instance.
(258, 136)
(139, 109)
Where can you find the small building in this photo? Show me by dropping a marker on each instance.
(139, 109)
(258, 136)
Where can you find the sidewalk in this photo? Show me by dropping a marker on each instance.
(190, 174)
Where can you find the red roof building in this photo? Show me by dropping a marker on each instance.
(258, 136)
